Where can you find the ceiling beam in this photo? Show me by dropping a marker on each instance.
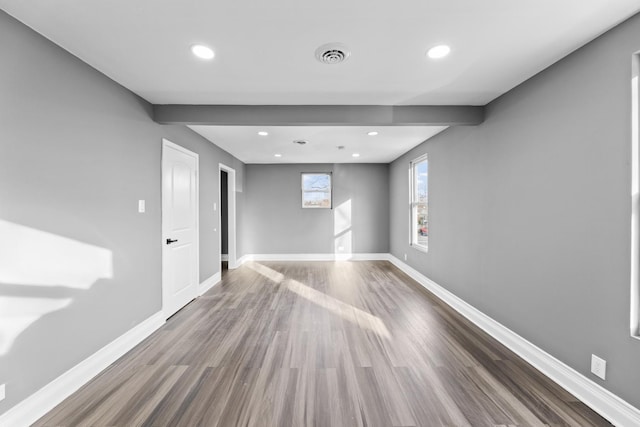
(318, 115)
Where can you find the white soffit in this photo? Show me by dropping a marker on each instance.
(322, 142)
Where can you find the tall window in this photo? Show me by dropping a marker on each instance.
(420, 203)
(635, 197)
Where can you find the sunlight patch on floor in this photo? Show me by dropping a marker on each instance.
(346, 311)
(266, 272)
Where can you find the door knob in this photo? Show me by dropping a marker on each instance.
(170, 241)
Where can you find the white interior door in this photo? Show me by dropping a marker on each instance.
(179, 227)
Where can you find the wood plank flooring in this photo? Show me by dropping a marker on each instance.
(319, 344)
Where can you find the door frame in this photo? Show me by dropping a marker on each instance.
(231, 216)
(166, 143)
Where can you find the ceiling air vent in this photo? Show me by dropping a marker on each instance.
(332, 53)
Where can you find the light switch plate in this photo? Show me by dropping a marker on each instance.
(2, 392)
(141, 206)
(598, 366)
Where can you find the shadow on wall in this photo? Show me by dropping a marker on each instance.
(41, 273)
(342, 231)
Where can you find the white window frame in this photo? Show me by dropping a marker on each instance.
(303, 191)
(635, 197)
(413, 204)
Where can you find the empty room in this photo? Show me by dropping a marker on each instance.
(365, 213)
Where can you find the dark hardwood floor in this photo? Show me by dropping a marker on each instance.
(319, 344)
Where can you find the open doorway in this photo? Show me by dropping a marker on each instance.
(227, 203)
(224, 221)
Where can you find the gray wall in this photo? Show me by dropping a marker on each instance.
(530, 212)
(76, 153)
(276, 223)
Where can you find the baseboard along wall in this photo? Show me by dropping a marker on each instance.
(209, 283)
(607, 404)
(38, 404)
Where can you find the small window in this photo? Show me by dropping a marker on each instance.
(316, 190)
(420, 203)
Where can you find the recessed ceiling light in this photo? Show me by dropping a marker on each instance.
(277, 155)
(438, 52)
(372, 133)
(356, 155)
(263, 133)
(202, 51)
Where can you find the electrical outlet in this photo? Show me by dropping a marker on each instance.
(141, 206)
(405, 257)
(2, 392)
(598, 366)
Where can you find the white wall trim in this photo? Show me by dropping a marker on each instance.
(209, 283)
(635, 197)
(607, 404)
(39, 403)
(231, 217)
(314, 257)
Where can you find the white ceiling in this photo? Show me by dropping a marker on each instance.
(245, 143)
(265, 49)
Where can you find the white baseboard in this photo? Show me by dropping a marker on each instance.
(610, 406)
(209, 283)
(314, 257)
(38, 404)
(607, 404)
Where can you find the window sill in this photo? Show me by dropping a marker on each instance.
(420, 248)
